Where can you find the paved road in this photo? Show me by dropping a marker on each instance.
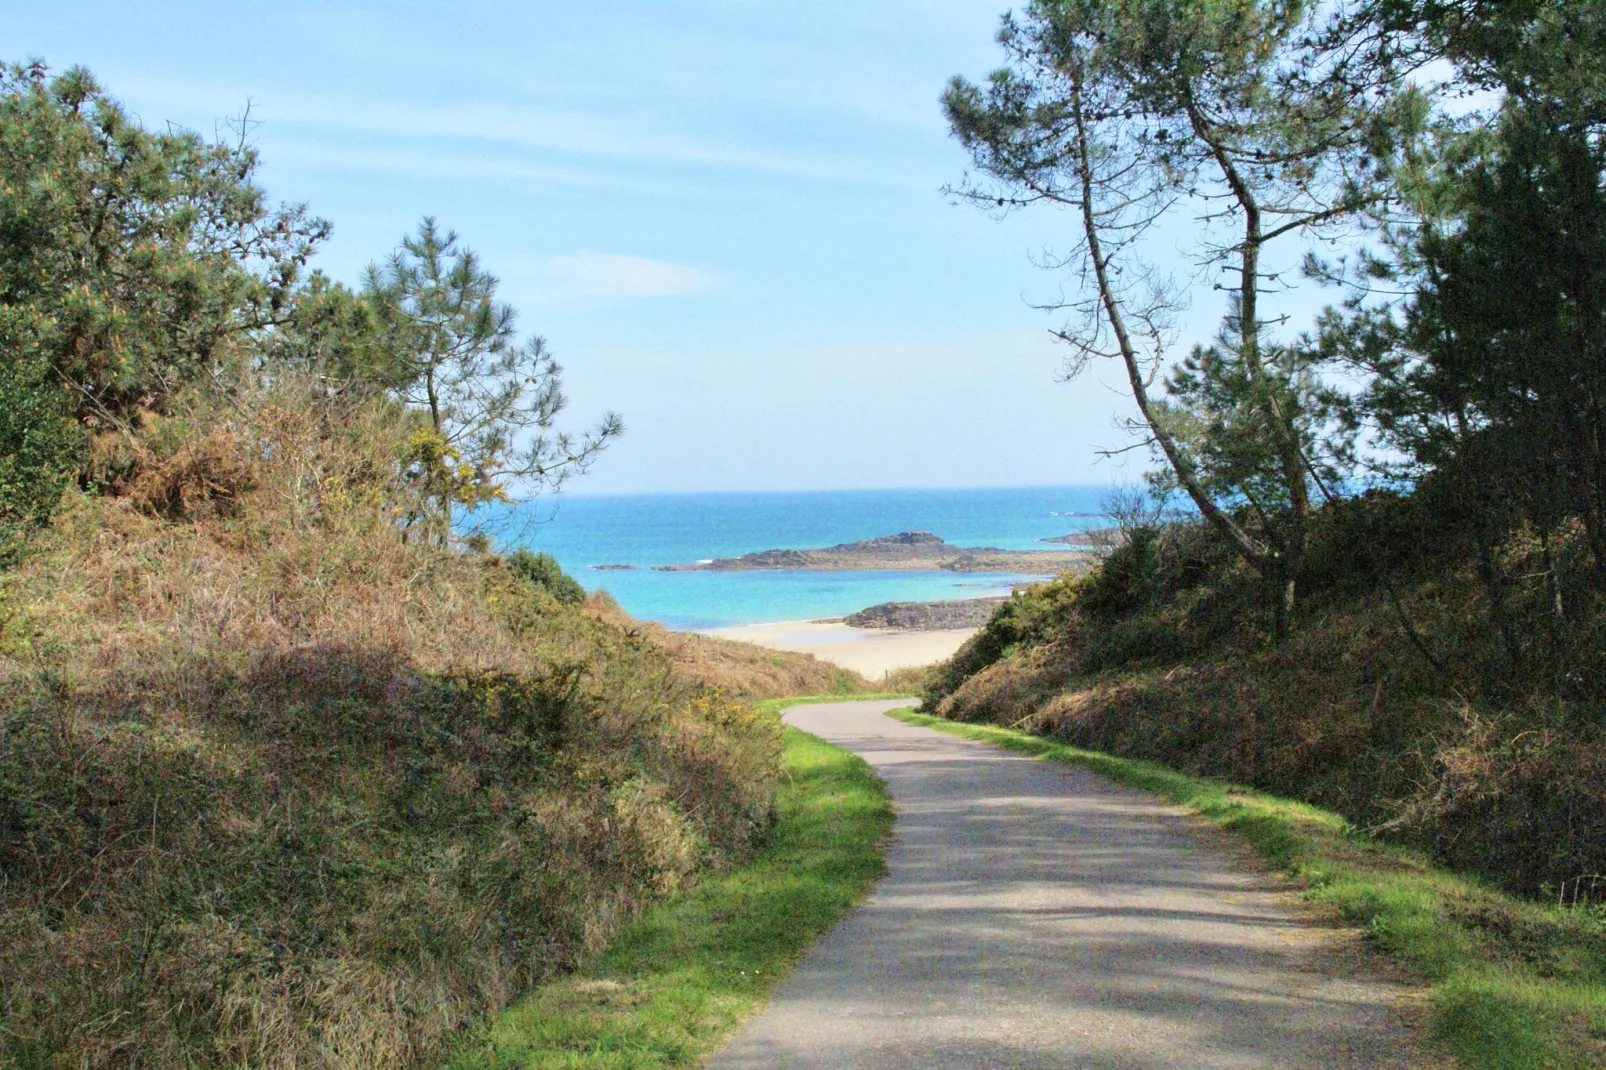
(1037, 916)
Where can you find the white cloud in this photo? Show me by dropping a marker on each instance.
(641, 135)
(589, 274)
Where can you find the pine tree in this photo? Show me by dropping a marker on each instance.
(489, 402)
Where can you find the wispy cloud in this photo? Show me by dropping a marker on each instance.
(644, 135)
(594, 275)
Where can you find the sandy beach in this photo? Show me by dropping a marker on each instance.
(869, 651)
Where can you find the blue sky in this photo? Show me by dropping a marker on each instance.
(725, 216)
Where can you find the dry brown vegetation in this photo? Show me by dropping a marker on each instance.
(740, 670)
(1397, 704)
(278, 788)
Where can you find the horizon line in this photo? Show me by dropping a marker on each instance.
(820, 490)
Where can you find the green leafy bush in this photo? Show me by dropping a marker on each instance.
(38, 449)
(1030, 617)
(1131, 577)
(544, 571)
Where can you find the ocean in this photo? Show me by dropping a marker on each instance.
(643, 530)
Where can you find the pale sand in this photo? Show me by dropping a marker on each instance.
(872, 652)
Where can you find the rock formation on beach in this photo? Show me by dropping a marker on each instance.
(927, 616)
(911, 550)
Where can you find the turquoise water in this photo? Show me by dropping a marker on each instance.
(667, 529)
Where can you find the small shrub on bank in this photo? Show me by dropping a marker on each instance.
(39, 448)
(1030, 617)
(544, 571)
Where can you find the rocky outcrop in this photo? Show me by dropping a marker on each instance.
(927, 616)
(912, 550)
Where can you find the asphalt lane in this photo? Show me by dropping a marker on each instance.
(1038, 916)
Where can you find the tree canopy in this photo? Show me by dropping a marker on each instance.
(1451, 152)
(139, 269)
(1240, 121)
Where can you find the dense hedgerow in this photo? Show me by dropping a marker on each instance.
(278, 787)
(1396, 700)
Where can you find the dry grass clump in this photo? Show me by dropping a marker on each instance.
(910, 679)
(1494, 769)
(278, 788)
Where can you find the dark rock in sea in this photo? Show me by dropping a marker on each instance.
(614, 568)
(927, 616)
(912, 550)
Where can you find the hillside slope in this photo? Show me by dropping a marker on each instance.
(283, 788)
(1394, 700)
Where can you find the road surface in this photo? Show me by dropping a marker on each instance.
(1038, 916)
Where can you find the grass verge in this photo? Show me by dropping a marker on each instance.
(1516, 985)
(677, 981)
(776, 705)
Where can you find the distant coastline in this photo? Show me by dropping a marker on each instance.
(586, 531)
(905, 551)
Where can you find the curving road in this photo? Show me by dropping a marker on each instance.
(1038, 916)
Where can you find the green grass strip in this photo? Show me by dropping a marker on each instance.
(1516, 985)
(776, 705)
(676, 982)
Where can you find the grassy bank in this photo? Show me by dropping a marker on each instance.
(1516, 985)
(739, 670)
(282, 786)
(1394, 699)
(677, 981)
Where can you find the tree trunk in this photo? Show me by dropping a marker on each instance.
(444, 496)
(1285, 436)
(1181, 466)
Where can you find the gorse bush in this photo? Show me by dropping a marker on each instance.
(39, 448)
(1153, 562)
(542, 569)
(1030, 616)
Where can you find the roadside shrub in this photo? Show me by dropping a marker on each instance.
(1029, 617)
(542, 569)
(1131, 577)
